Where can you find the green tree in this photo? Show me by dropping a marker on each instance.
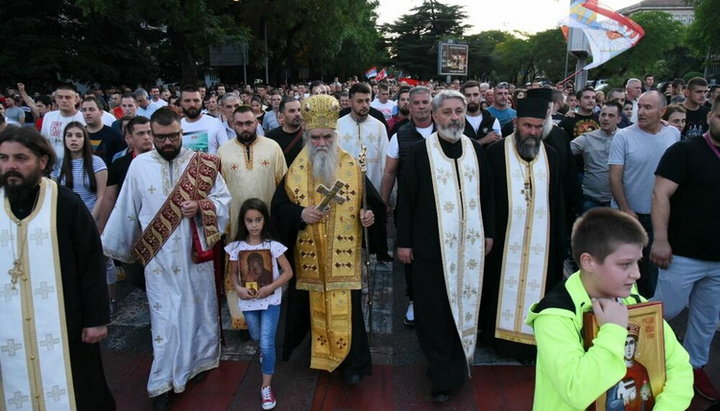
(482, 61)
(549, 49)
(414, 36)
(515, 60)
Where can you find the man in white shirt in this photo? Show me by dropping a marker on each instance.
(383, 103)
(200, 132)
(145, 107)
(54, 122)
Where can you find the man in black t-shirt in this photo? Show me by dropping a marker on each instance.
(289, 134)
(106, 141)
(696, 117)
(686, 241)
(584, 120)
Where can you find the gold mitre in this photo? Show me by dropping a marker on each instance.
(320, 111)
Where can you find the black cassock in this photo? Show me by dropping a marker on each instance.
(288, 222)
(493, 262)
(417, 228)
(82, 266)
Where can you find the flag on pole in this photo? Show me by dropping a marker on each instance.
(381, 75)
(372, 72)
(608, 33)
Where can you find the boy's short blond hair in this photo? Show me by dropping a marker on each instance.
(602, 230)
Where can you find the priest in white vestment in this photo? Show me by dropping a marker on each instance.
(445, 228)
(529, 248)
(252, 167)
(53, 298)
(358, 128)
(181, 293)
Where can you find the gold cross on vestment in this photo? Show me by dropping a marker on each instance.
(331, 194)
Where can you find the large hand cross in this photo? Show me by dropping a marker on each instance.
(330, 195)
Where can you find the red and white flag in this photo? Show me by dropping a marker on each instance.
(381, 75)
(608, 33)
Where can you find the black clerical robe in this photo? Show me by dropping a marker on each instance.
(493, 262)
(417, 228)
(82, 266)
(287, 216)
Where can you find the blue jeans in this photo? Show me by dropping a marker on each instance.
(697, 282)
(262, 325)
(589, 204)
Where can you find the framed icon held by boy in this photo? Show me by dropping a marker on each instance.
(644, 358)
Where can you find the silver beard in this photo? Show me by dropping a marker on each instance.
(548, 126)
(324, 163)
(451, 132)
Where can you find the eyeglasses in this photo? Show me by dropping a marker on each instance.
(173, 137)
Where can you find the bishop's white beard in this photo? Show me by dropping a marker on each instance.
(548, 126)
(452, 131)
(324, 163)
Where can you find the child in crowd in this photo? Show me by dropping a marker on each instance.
(251, 254)
(607, 245)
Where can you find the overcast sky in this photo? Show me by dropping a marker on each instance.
(525, 15)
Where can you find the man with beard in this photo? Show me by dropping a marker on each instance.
(200, 132)
(445, 228)
(420, 127)
(685, 245)
(50, 354)
(252, 167)
(403, 111)
(169, 196)
(327, 245)
(529, 250)
(354, 130)
(480, 125)
(289, 135)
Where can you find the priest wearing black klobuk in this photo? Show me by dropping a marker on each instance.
(318, 208)
(444, 229)
(527, 258)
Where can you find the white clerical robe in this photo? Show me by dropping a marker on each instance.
(370, 133)
(181, 294)
(35, 370)
(252, 171)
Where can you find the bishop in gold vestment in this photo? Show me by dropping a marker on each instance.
(327, 247)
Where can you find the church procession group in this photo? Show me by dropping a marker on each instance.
(259, 197)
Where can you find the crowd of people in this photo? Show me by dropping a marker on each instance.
(263, 196)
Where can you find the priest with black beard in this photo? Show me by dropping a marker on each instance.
(54, 308)
(325, 241)
(527, 258)
(445, 227)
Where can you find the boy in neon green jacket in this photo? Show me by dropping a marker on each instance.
(607, 245)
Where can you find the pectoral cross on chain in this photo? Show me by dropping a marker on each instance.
(15, 273)
(527, 191)
(331, 194)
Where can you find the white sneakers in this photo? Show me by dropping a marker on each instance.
(409, 319)
(268, 398)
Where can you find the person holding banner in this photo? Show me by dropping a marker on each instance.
(172, 200)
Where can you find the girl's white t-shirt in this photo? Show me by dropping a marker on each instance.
(276, 250)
